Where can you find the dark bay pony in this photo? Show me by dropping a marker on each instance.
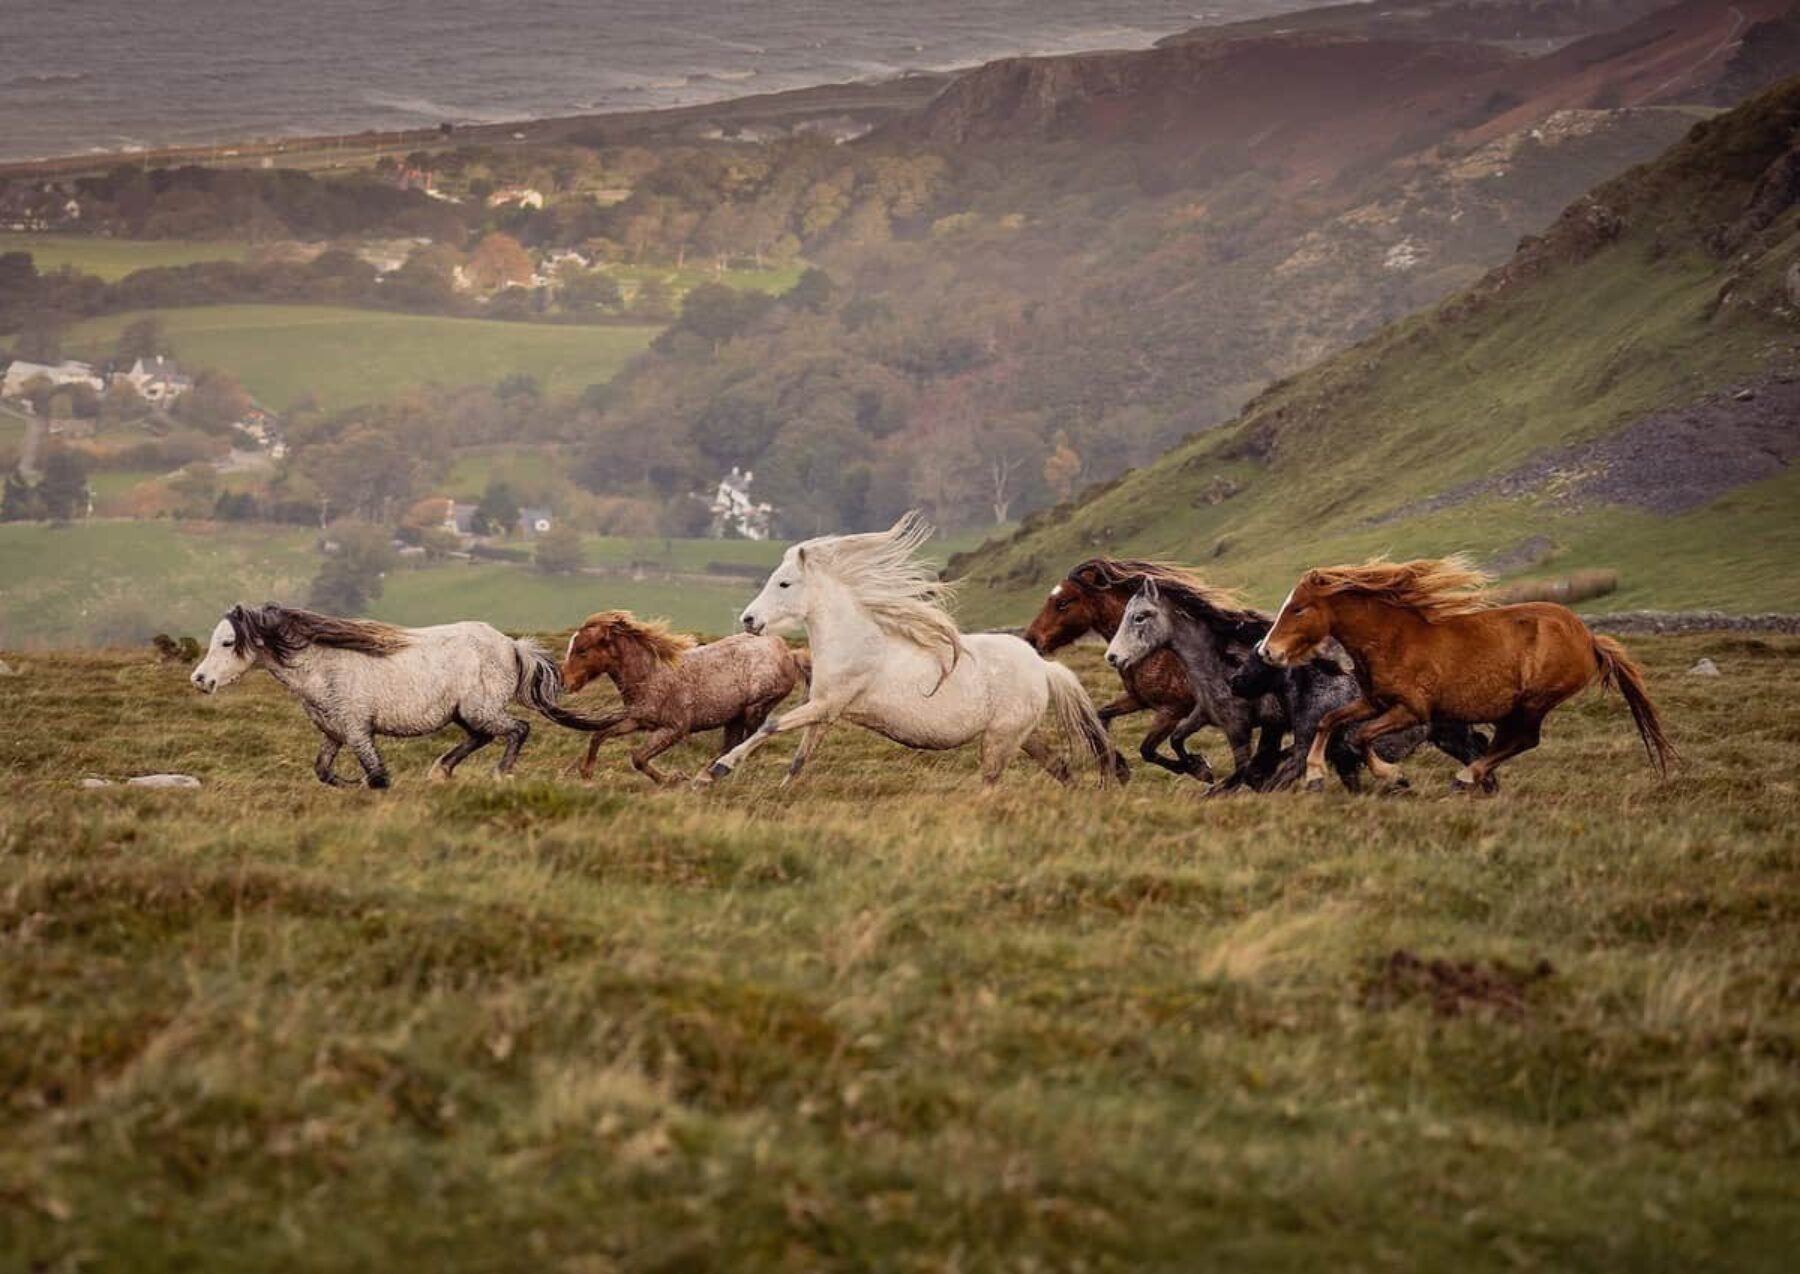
(672, 687)
(1429, 645)
(1092, 598)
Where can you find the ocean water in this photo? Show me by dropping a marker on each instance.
(81, 75)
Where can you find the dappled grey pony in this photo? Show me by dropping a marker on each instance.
(358, 679)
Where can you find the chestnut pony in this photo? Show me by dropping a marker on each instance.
(672, 687)
(1429, 646)
(1092, 598)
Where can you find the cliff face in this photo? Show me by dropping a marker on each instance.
(1317, 102)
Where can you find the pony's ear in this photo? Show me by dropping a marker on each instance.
(1149, 591)
(1087, 576)
(800, 557)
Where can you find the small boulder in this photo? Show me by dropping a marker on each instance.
(7, 670)
(163, 780)
(94, 782)
(1745, 395)
(1705, 668)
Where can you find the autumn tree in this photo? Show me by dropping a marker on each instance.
(559, 550)
(498, 261)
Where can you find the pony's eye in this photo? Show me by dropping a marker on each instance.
(227, 643)
(1296, 610)
(784, 583)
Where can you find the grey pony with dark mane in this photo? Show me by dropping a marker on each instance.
(358, 679)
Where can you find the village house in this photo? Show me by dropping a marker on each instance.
(158, 380)
(20, 373)
(534, 522)
(735, 514)
(516, 197)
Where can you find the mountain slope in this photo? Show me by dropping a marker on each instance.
(1663, 303)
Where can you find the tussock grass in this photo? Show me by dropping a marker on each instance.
(883, 1021)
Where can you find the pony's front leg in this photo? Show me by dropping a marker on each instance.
(812, 712)
(1397, 717)
(585, 766)
(374, 768)
(653, 746)
(1123, 706)
(322, 763)
(1358, 710)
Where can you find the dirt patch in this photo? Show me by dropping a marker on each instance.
(1453, 987)
(1667, 462)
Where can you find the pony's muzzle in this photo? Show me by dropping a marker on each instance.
(752, 624)
(204, 683)
(1117, 660)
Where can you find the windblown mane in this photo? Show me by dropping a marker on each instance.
(653, 635)
(1209, 603)
(1437, 588)
(281, 632)
(901, 592)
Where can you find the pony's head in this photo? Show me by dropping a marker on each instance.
(232, 652)
(1145, 628)
(600, 644)
(253, 635)
(1086, 599)
(1434, 589)
(878, 571)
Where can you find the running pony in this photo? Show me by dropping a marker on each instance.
(1429, 645)
(887, 657)
(358, 679)
(671, 688)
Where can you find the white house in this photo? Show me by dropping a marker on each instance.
(516, 196)
(158, 379)
(734, 513)
(20, 373)
(534, 522)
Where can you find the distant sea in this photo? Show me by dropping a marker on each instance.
(119, 75)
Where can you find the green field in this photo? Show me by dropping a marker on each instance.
(347, 356)
(881, 1021)
(120, 581)
(115, 258)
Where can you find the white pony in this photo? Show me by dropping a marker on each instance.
(887, 657)
(358, 679)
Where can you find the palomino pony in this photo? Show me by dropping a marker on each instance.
(1211, 631)
(1092, 598)
(672, 688)
(358, 679)
(887, 657)
(1429, 645)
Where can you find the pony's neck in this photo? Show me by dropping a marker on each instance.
(1193, 638)
(635, 670)
(1109, 613)
(301, 677)
(1362, 624)
(835, 618)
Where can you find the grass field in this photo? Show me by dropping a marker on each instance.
(347, 356)
(882, 1022)
(105, 580)
(115, 258)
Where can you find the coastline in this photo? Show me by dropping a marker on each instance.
(861, 103)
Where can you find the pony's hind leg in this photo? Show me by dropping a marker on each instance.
(517, 732)
(445, 765)
(809, 739)
(1397, 717)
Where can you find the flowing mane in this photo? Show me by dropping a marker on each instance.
(1436, 588)
(1208, 603)
(901, 592)
(282, 632)
(653, 635)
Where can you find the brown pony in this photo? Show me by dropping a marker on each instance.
(1430, 645)
(673, 687)
(1092, 598)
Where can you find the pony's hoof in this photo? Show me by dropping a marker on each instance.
(1397, 787)
(437, 774)
(1313, 785)
(378, 782)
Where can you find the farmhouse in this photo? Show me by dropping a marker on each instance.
(516, 197)
(20, 373)
(534, 522)
(158, 379)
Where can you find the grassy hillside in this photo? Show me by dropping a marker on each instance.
(112, 259)
(1630, 304)
(346, 356)
(883, 1022)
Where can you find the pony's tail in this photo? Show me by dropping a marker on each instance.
(1081, 724)
(1617, 669)
(541, 685)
